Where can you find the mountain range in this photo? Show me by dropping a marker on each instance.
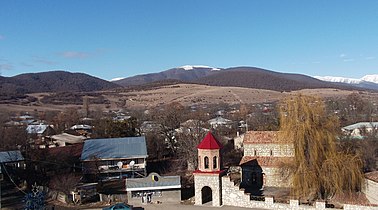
(368, 81)
(248, 77)
(52, 81)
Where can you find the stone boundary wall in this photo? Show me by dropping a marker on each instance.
(371, 191)
(233, 196)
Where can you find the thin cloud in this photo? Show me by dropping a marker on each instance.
(2, 37)
(42, 60)
(6, 66)
(348, 60)
(342, 55)
(26, 64)
(370, 58)
(74, 54)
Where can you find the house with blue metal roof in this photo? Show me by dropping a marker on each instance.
(115, 157)
(12, 158)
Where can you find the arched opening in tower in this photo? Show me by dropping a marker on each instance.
(207, 194)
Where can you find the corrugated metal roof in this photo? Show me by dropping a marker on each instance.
(36, 129)
(114, 148)
(153, 182)
(361, 125)
(11, 156)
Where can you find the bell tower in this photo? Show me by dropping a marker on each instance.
(207, 178)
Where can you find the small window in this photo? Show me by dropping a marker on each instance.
(199, 162)
(271, 153)
(206, 160)
(214, 162)
(254, 152)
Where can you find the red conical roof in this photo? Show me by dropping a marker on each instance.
(209, 142)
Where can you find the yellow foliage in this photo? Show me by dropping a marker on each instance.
(320, 171)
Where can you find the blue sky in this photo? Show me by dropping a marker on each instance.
(122, 38)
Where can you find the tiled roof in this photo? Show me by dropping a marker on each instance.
(114, 148)
(209, 142)
(260, 137)
(11, 156)
(373, 176)
(264, 161)
(153, 182)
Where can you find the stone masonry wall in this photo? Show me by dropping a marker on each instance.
(265, 150)
(273, 177)
(233, 196)
(371, 191)
(211, 180)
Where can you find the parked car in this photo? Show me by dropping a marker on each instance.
(120, 206)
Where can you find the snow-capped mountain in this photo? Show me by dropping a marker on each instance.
(182, 73)
(191, 67)
(338, 79)
(368, 81)
(370, 78)
(116, 79)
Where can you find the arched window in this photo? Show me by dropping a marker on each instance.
(199, 162)
(214, 162)
(206, 161)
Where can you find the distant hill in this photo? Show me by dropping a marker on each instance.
(184, 73)
(52, 81)
(249, 77)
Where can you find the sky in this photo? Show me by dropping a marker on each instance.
(122, 38)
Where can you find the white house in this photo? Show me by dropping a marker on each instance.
(358, 130)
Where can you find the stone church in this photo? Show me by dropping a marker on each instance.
(260, 165)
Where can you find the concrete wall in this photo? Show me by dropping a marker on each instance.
(211, 180)
(269, 150)
(371, 191)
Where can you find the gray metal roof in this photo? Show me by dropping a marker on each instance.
(361, 125)
(11, 156)
(149, 183)
(114, 148)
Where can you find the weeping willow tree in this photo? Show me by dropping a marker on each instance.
(319, 170)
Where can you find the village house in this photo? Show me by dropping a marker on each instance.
(65, 139)
(115, 157)
(360, 130)
(220, 121)
(12, 159)
(154, 188)
(263, 155)
(37, 133)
